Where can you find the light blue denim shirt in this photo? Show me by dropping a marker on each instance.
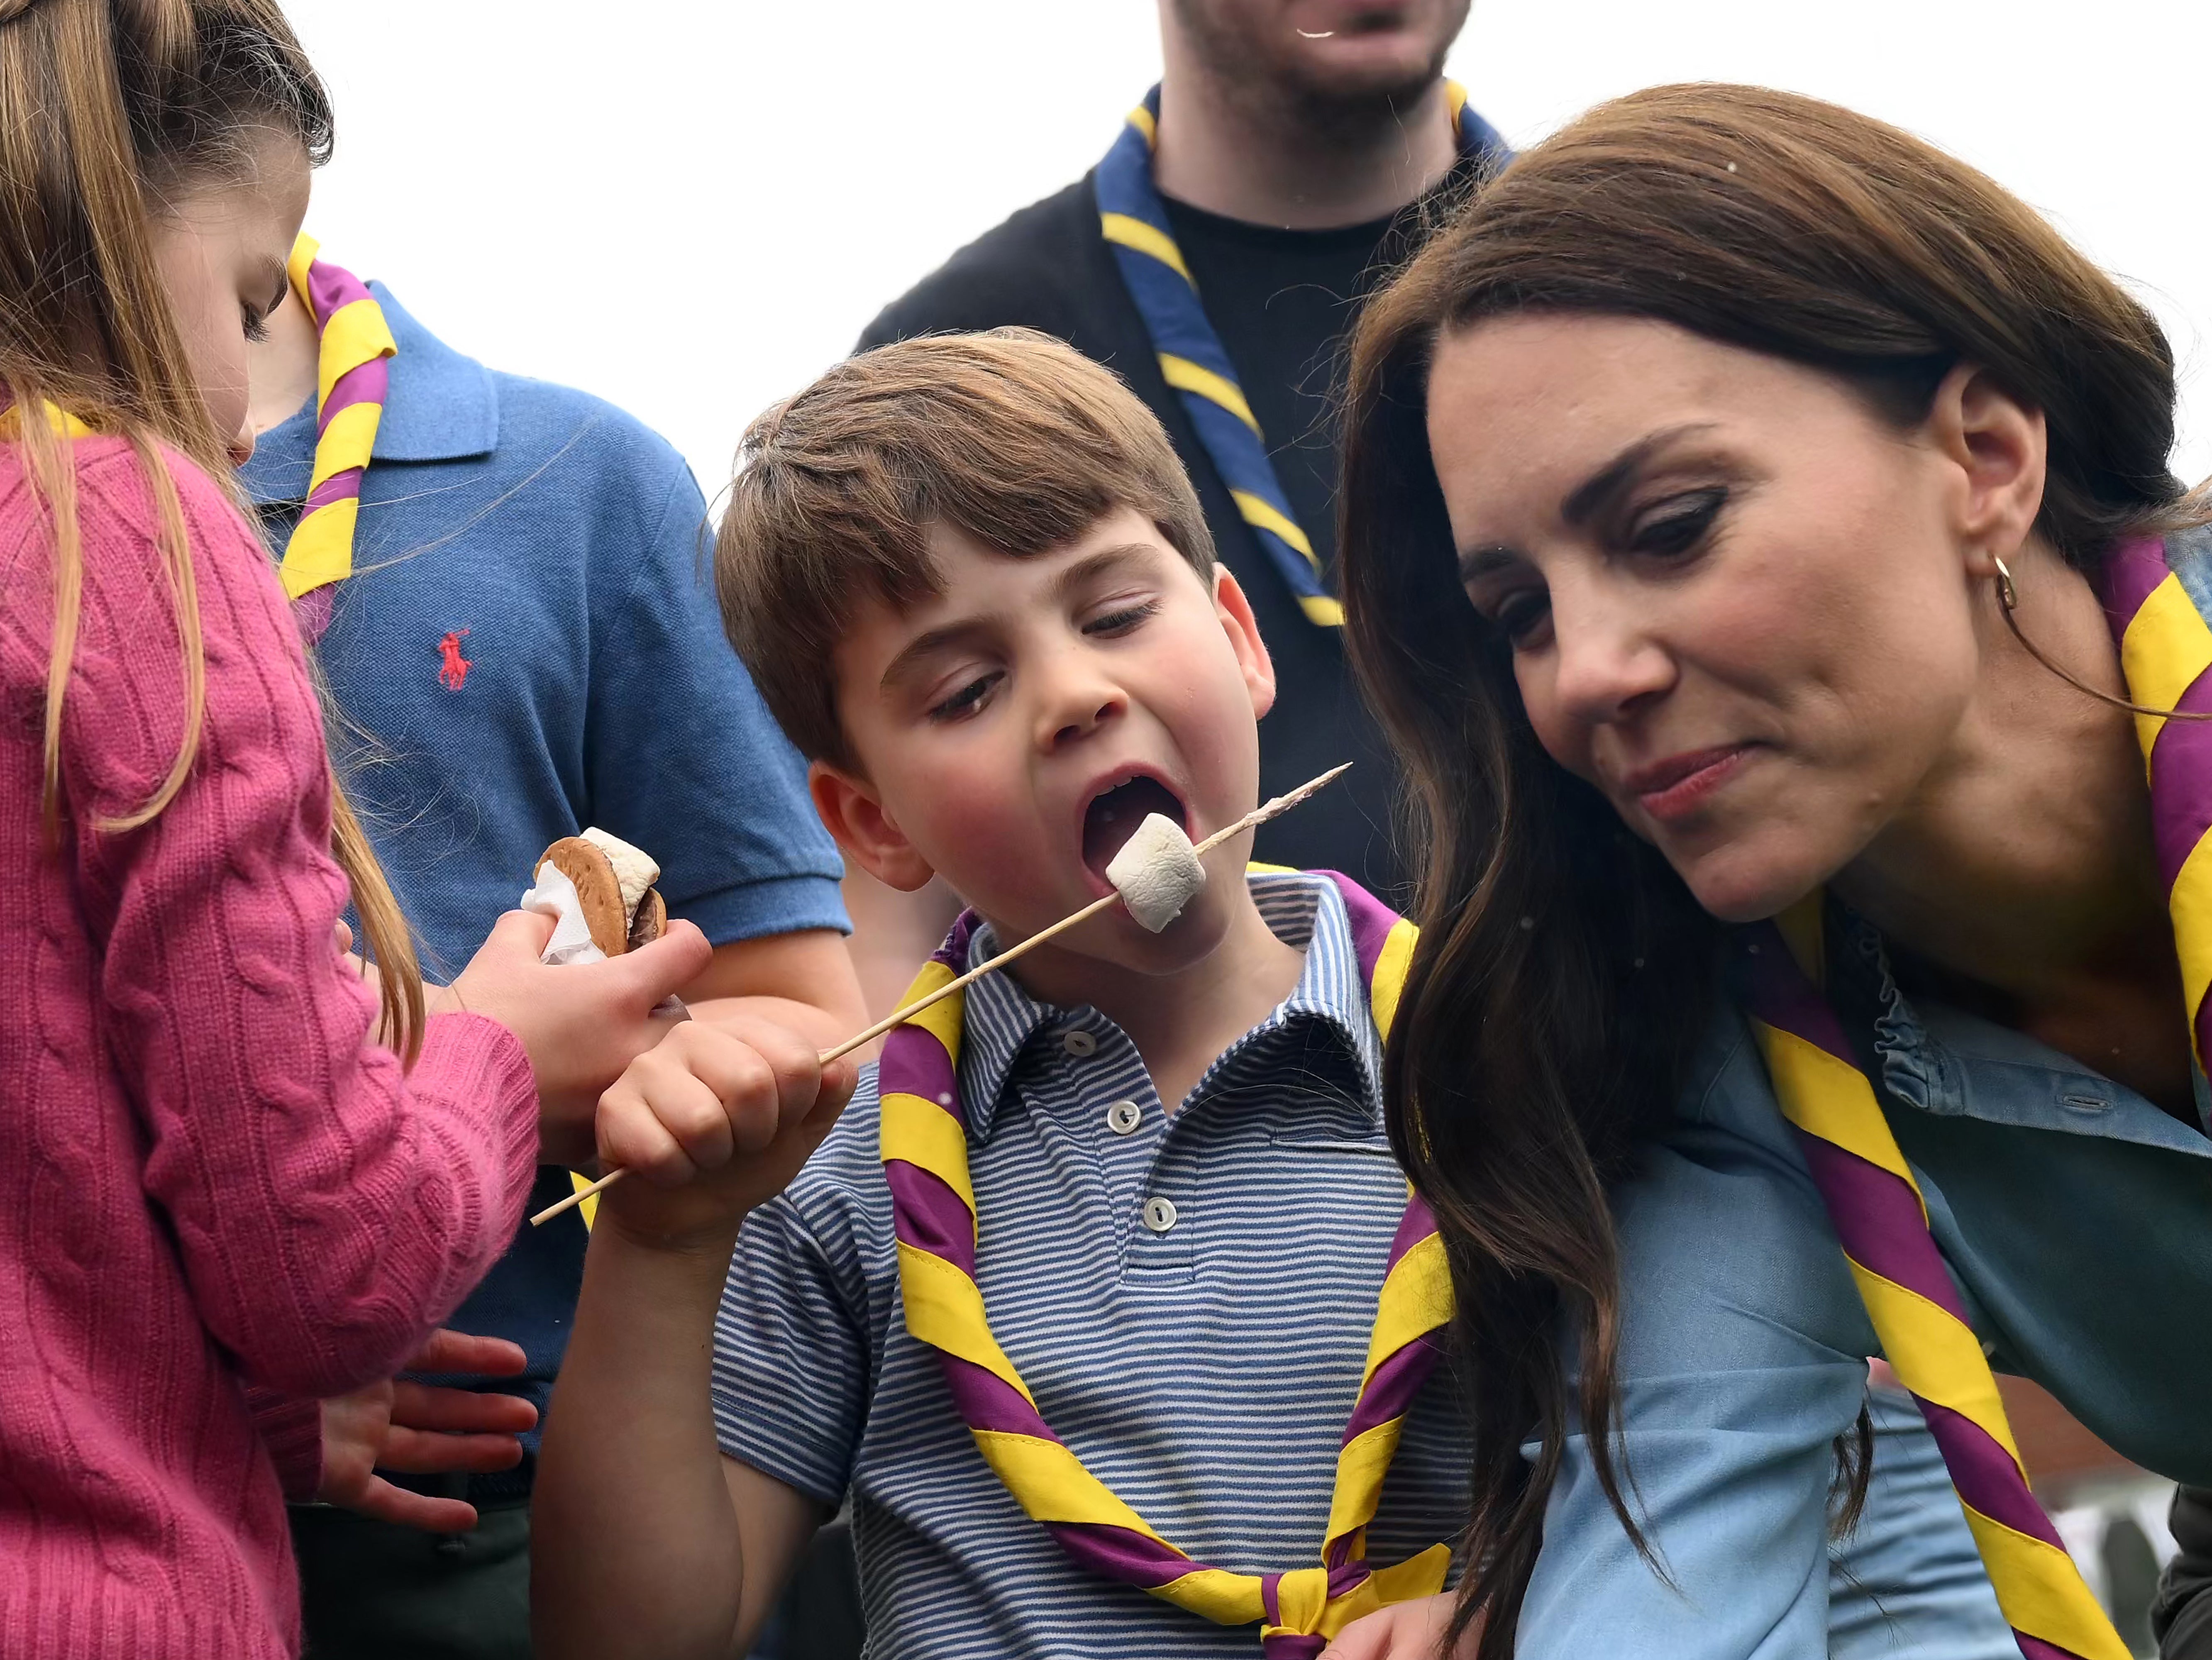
(2076, 1219)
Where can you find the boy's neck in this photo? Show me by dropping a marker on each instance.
(1180, 1023)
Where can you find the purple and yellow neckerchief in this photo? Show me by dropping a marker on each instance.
(2165, 649)
(925, 1153)
(1133, 220)
(352, 375)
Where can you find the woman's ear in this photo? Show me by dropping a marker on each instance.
(1999, 448)
(864, 830)
(1235, 610)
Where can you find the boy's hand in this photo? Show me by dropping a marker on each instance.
(579, 1023)
(713, 1120)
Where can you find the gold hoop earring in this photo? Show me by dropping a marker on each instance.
(2008, 603)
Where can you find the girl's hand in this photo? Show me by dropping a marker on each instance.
(581, 1023)
(1404, 1631)
(425, 1431)
(715, 1121)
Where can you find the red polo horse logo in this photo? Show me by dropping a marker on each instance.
(453, 667)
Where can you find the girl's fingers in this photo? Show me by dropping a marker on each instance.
(420, 1452)
(413, 1509)
(445, 1350)
(428, 1406)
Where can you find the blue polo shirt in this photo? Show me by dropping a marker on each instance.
(530, 644)
(1200, 1360)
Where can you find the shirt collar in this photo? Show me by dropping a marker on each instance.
(1000, 1020)
(440, 405)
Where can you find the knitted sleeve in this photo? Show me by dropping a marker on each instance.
(327, 1210)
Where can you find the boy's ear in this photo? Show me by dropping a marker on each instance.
(864, 830)
(1235, 611)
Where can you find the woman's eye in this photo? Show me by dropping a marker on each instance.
(256, 324)
(1123, 620)
(1677, 526)
(968, 699)
(1519, 615)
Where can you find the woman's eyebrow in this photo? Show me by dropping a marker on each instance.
(1602, 487)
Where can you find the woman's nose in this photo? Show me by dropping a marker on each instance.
(1608, 662)
(242, 443)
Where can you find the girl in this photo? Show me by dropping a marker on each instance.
(1746, 504)
(213, 1180)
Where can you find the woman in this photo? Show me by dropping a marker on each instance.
(213, 1180)
(1735, 492)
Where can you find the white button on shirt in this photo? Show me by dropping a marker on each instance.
(1160, 1214)
(1124, 1116)
(1080, 1044)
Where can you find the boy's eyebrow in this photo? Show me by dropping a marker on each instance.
(950, 635)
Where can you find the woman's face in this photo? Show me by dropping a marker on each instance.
(1740, 603)
(221, 246)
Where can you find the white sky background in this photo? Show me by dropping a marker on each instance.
(690, 207)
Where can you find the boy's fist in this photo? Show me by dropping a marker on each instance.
(716, 1118)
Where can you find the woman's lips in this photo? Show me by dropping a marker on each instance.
(1677, 787)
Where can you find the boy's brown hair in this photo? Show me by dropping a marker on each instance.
(1010, 437)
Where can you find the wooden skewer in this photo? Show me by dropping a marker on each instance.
(1259, 815)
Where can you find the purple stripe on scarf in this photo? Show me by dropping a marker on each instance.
(329, 286)
(364, 383)
(1985, 1476)
(988, 1401)
(2181, 781)
(1879, 1221)
(1391, 1390)
(954, 953)
(338, 486)
(1118, 1553)
(1784, 999)
(914, 1063)
(1268, 1603)
(2131, 571)
(2034, 1648)
(929, 1216)
(1416, 1225)
(1291, 1647)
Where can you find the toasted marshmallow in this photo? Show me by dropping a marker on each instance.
(1157, 871)
(635, 871)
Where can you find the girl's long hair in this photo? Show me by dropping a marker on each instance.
(109, 109)
(1564, 971)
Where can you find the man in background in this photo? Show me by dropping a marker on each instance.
(1216, 264)
(523, 642)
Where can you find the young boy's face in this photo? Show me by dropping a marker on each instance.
(1012, 732)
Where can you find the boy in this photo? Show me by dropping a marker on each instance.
(974, 586)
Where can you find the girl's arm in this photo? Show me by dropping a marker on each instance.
(327, 1209)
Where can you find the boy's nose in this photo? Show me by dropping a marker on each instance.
(1076, 705)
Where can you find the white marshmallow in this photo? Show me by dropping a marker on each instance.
(634, 871)
(1157, 871)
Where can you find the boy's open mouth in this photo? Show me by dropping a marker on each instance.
(1113, 815)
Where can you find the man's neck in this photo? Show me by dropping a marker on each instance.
(1232, 151)
(1180, 1023)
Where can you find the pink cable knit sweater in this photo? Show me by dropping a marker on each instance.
(208, 1179)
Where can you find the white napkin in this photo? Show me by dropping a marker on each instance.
(555, 896)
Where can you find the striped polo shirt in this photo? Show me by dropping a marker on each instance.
(1188, 1298)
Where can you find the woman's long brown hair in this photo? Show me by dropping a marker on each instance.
(1564, 971)
(108, 108)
